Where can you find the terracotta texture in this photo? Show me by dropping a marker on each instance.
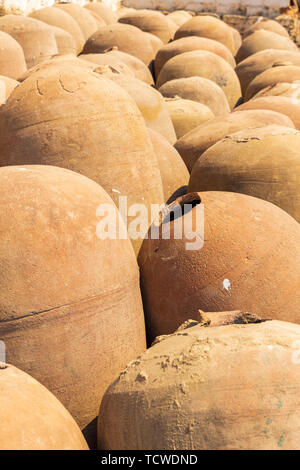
(262, 162)
(152, 22)
(58, 62)
(198, 89)
(103, 11)
(268, 25)
(223, 388)
(12, 60)
(7, 85)
(245, 241)
(64, 41)
(257, 63)
(156, 43)
(187, 114)
(174, 173)
(196, 142)
(188, 44)
(126, 37)
(237, 39)
(262, 40)
(150, 103)
(78, 120)
(281, 104)
(35, 37)
(83, 18)
(179, 17)
(208, 27)
(114, 63)
(34, 419)
(203, 64)
(140, 70)
(57, 17)
(276, 74)
(290, 90)
(65, 292)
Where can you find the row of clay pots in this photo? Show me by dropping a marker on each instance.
(67, 293)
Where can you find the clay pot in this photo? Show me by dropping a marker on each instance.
(140, 70)
(179, 17)
(203, 64)
(78, 120)
(189, 44)
(125, 37)
(113, 62)
(276, 74)
(57, 298)
(262, 40)
(237, 39)
(83, 18)
(230, 387)
(257, 63)
(290, 90)
(7, 85)
(187, 114)
(103, 11)
(152, 22)
(150, 103)
(174, 173)
(59, 62)
(208, 27)
(64, 41)
(100, 22)
(12, 60)
(228, 259)
(155, 42)
(262, 162)
(194, 144)
(57, 17)
(281, 104)
(36, 38)
(35, 419)
(198, 89)
(267, 25)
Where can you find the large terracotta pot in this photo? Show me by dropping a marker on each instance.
(35, 37)
(174, 173)
(152, 22)
(61, 19)
(195, 143)
(281, 104)
(267, 25)
(126, 37)
(70, 311)
(75, 119)
(203, 64)
(103, 11)
(276, 74)
(262, 40)
(34, 419)
(188, 44)
(198, 89)
(224, 388)
(262, 162)
(12, 60)
(187, 114)
(257, 63)
(231, 262)
(86, 22)
(208, 27)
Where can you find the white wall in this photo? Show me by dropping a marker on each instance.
(251, 7)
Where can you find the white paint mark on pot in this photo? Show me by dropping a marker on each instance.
(226, 284)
